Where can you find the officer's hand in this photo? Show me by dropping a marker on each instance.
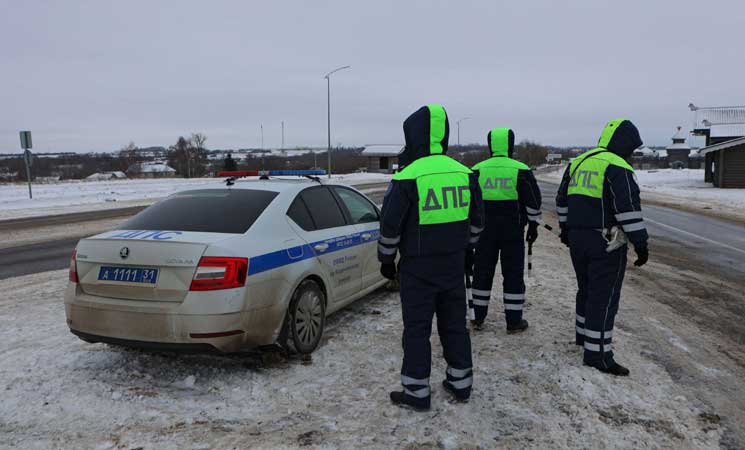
(642, 256)
(469, 261)
(388, 270)
(564, 236)
(532, 234)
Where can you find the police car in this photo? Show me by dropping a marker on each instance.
(239, 265)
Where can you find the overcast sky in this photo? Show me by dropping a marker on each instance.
(94, 75)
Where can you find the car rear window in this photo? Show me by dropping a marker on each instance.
(209, 210)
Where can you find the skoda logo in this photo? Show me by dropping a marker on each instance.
(124, 252)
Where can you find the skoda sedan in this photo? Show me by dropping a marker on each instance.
(233, 267)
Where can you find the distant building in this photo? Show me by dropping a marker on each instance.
(720, 125)
(678, 151)
(727, 168)
(151, 170)
(116, 175)
(382, 158)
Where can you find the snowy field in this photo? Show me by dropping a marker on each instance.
(683, 188)
(530, 391)
(77, 196)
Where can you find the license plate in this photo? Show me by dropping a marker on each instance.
(128, 274)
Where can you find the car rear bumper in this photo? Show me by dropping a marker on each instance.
(97, 319)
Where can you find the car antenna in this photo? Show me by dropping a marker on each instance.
(230, 181)
(314, 178)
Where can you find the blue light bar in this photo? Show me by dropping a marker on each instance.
(292, 173)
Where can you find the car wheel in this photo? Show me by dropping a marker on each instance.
(306, 317)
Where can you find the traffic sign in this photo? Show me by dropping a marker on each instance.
(26, 140)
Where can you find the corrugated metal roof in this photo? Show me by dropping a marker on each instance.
(720, 115)
(722, 146)
(382, 150)
(727, 130)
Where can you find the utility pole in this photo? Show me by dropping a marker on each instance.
(328, 104)
(27, 158)
(262, 145)
(283, 135)
(457, 123)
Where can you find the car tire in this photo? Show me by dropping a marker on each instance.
(306, 317)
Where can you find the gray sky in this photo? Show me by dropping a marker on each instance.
(94, 75)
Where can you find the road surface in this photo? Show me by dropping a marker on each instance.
(706, 240)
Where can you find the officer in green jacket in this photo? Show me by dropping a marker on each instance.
(512, 200)
(598, 194)
(432, 214)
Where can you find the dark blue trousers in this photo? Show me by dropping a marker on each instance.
(420, 301)
(493, 244)
(599, 280)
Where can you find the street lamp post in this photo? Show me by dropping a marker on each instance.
(457, 123)
(328, 104)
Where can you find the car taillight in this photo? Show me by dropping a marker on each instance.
(73, 273)
(218, 272)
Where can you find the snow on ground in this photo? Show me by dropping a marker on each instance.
(77, 196)
(531, 390)
(683, 188)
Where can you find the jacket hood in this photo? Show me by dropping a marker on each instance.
(426, 132)
(501, 142)
(621, 137)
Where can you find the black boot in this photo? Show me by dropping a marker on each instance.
(517, 327)
(451, 390)
(614, 369)
(400, 399)
(477, 324)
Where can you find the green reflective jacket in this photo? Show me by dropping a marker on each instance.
(442, 188)
(587, 172)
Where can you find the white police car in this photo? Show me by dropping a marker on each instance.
(227, 268)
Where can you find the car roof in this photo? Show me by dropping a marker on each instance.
(274, 184)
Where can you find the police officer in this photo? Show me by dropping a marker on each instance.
(511, 200)
(431, 213)
(597, 193)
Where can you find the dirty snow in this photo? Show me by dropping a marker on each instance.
(76, 196)
(531, 390)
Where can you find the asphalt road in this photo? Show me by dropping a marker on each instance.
(55, 254)
(711, 242)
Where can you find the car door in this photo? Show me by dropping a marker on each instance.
(334, 242)
(364, 215)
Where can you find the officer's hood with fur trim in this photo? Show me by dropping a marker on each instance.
(426, 133)
(501, 142)
(621, 137)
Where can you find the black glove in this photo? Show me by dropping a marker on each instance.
(388, 270)
(642, 256)
(469, 261)
(564, 236)
(532, 234)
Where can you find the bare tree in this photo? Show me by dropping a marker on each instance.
(197, 153)
(531, 153)
(178, 156)
(128, 156)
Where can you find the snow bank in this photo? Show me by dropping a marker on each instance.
(688, 184)
(531, 390)
(77, 196)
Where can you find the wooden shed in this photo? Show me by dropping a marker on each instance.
(727, 167)
(382, 158)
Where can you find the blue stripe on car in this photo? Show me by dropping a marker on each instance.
(284, 257)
